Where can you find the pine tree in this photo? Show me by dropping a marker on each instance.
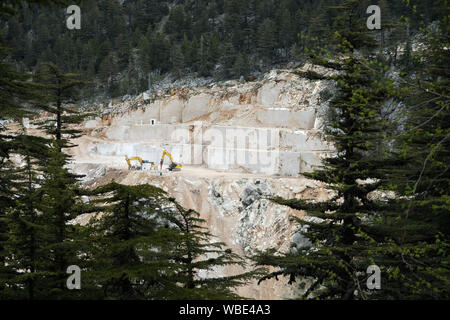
(241, 66)
(177, 61)
(285, 30)
(59, 88)
(123, 50)
(417, 265)
(267, 40)
(19, 196)
(194, 55)
(161, 53)
(196, 252)
(386, 22)
(26, 231)
(14, 90)
(317, 26)
(176, 22)
(60, 204)
(144, 49)
(204, 66)
(146, 246)
(128, 260)
(108, 71)
(228, 59)
(60, 193)
(214, 50)
(341, 233)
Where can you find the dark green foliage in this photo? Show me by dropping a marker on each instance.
(122, 243)
(228, 59)
(418, 264)
(241, 66)
(144, 245)
(196, 252)
(267, 40)
(112, 32)
(57, 89)
(42, 242)
(26, 231)
(177, 61)
(14, 91)
(60, 203)
(341, 237)
(34, 248)
(406, 236)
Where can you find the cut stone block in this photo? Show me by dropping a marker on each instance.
(310, 161)
(301, 141)
(171, 111)
(304, 118)
(252, 161)
(284, 118)
(290, 163)
(152, 111)
(197, 106)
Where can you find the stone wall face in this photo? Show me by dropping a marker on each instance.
(196, 107)
(255, 150)
(286, 118)
(270, 127)
(170, 111)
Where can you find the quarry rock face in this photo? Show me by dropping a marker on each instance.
(271, 126)
(285, 118)
(170, 111)
(196, 107)
(240, 144)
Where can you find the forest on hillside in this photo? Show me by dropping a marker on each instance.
(121, 42)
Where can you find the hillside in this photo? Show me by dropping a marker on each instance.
(126, 46)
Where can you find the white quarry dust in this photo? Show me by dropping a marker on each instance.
(234, 204)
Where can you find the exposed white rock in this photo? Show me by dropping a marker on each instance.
(239, 143)
(196, 107)
(271, 126)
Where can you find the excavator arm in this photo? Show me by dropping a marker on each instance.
(128, 160)
(173, 165)
(165, 153)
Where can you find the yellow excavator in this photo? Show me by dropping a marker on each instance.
(173, 165)
(141, 162)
